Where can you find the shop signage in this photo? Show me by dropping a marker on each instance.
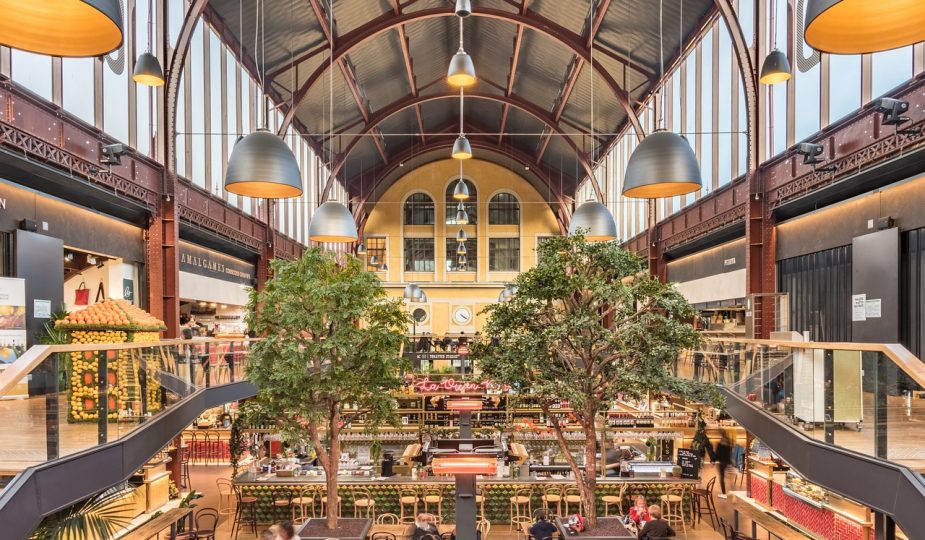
(431, 356)
(205, 262)
(13, 327)
(128, 290)
(689, 461)
(424, 385)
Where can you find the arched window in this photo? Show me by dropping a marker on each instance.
(419, 209)
(469, 204)
(503, 209)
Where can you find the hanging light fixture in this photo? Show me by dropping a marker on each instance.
(461, 261)
(463, 8)
(361, 249)
(332, 222)
(261, 164)
(461, 236)
(460, 248)
(384, 267)
(462, 70)
(507, 294)
(462, 217)
(461, 191)
(862, 26)
(423, 297)
(373, 260)
(148, 69)
(595, 221)
(412, 292)
(775, 68)
(461, 148)
(69, 28)
(663, 164)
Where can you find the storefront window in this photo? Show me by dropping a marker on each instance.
(419, 255)
(452, 258)
(419, 209)
(504, 254)
(504, 209)
(375, 247)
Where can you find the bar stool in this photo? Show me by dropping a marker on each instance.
(225, 494)
(185, 481)
(363, 502)
(245, 513)
(205, 446)
(573, 496)
(407, 499)
(703, 497)
(673, 506)
(306, 498)
(552, 495)
(215, 448)
(610, 500)
(480, 501)
(324, 505)
(521, 508)
(192, 445)
(431, 496)
(282, 503)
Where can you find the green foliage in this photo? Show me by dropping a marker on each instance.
(331, 338)
(187, 502)
(99, 516)
(577, 330)
(51, 334)
(236, 444)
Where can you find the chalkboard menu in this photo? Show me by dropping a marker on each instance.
(689, 461)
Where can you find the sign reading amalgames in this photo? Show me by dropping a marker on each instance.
(205, 262)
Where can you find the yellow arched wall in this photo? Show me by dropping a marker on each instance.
(451, 294)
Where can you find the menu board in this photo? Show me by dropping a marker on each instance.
(689, 461)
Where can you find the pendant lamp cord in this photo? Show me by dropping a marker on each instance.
(591, 30)
(331, 88)
(461, 34)
(661, 66)
(774, 23)
(150, 25)
(460, 111)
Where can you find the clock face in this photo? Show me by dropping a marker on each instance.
(462, 316)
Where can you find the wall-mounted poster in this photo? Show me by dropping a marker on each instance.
(13, 328)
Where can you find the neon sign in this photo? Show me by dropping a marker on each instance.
(425, 385)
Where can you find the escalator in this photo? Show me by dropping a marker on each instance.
(801, 400)
(43, 488)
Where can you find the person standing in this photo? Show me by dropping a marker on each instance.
(723, 458)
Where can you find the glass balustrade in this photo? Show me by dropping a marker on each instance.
(864, 397)
(56, 400)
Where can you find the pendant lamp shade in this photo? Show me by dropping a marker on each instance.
(148, 70)
(462, 70)
(461, 261)
(361, 249)
(262, 166)
(384, 267)
(463, 8)
(70, 28)
(412, 292)
(462, 217)
(332, 222)
(863, 26)
(461, 249)
(662, 165)
(373, 260)
(461, 236)
(507, 294)
(461, 191)
(594, 220)
(461, 150)
(423, 297)
(775, 69)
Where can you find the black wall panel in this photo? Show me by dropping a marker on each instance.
(912, 291)
(820, 293)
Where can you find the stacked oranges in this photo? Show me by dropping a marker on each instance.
(111, 315)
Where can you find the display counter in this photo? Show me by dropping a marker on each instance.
(497, 491)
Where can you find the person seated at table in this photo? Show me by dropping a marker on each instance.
(656, 527)
(425, 527)
(285, 531)
(542, 529)
(268, 534)
(639, 513)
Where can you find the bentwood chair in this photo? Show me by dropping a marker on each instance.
(521, 508)
(573, 497)
(388, 519)
(673, 507)
(703, 502)
(363, 503)
(245, 513)
(225, 496)
(614, 500)
(408, 504)
(304, 500)
(433, 497)
(552, 497)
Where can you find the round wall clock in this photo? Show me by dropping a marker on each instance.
(462, 316)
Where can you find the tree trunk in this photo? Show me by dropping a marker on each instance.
(587, 483)
(333, 508)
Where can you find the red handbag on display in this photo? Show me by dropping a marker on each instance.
(82, 295)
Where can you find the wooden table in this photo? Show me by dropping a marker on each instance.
(404, 530)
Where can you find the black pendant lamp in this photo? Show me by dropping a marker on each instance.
(662, 165)
(775, 69)
(148, 71)
(262, 166)
(69, 28)
(863, 26)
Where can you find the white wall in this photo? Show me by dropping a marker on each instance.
(196, 287)
(110, 275)
(725, 286)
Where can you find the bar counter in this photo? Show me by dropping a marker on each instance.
(497, 491)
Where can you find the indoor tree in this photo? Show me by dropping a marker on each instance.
(331, 350)
(586, 323)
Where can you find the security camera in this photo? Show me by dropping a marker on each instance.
(811, 153)
(892, 110)
(112, 154)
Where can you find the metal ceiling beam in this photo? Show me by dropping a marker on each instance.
(409, 67)
(512, 72)
(347, 73)
(409, 101)
(598, 19)
(531, 20)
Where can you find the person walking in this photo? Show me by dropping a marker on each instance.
(723, 458)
